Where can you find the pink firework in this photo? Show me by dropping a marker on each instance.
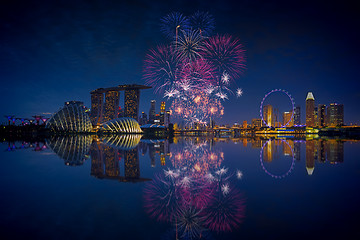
(199, 73)
(161, 68)
(224, 54)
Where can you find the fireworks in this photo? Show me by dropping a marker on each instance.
(173, 23)
(225, 54)
(239, 92)
(196, 70)
(203, 22)
(188, 45)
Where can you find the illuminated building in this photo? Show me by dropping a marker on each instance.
(167, 119)
(102, 112)
(288, 119)
(111, 108)
(71, 118)
(310, 156)
(297, 120)
(97, 104)
(321, 115)
(310, 108)
(143, 118)
(152, 111)
(162, 107)
(269, 151)
(335, 114)
(256, 123)
(268, 115)
(244, 125)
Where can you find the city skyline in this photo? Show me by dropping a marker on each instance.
(307, 53)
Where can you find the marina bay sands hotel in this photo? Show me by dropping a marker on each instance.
(105, 103)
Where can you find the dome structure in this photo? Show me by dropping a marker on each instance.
(71, 118)
(123, 141)
(121, 125)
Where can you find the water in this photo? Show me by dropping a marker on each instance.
(125, 187)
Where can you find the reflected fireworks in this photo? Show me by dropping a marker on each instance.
(196, 67)
(197, 194)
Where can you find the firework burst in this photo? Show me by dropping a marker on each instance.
(161, 68)
(224, 54)
(203, 22)
(173, 23)
(188, 45)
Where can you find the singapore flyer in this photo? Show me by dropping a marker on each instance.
(267, 121)
(277, 176)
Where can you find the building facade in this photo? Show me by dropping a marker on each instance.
(297, 116)
(268, 115)
(310, 108)
(335, 115)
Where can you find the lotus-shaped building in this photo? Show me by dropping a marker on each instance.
(71, 118)
(121, 125)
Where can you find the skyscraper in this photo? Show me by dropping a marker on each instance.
(335, 114)
(152, 112)
(256, 123)
(112, 99)
(268, 115)
(310, 107)
(162, 113)
(97, 104)
(321, 115)
(287, 119)
(297, 120)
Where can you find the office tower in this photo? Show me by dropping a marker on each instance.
(162, 107)
(152, 112)
(96, 114)
(167, 118)
(245, 125)
(268, 115)
(310, 107)
(287, 119)
(111, 109)
(297, 120)
(297, 151)
(335, 114)
(143, 118)
(256, 123)
(132, 98)
(321, 115)
(315, 116)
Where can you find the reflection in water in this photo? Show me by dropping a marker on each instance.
(73, 149)
(319, 150)
(270, 149)
(196, 195)
(107, 154)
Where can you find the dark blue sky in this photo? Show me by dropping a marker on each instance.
(55, 51)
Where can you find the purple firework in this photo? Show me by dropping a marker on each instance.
(173, 23)
(203, 22)
(161, 68)
(224, 54)
(199, 73)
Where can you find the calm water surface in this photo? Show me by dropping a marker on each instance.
(125, 187)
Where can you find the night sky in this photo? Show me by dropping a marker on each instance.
(52, 52)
